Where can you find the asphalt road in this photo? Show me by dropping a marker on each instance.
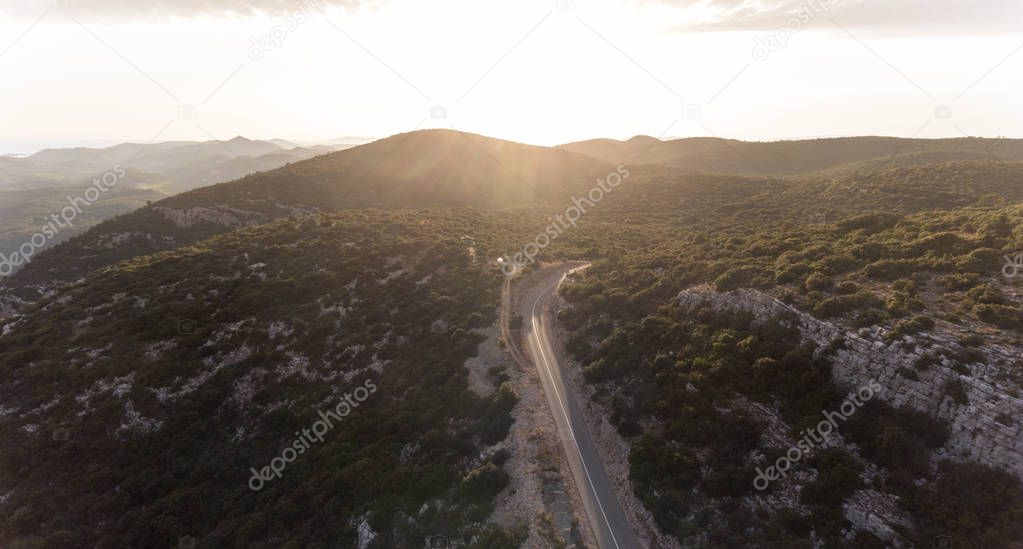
(607, 518)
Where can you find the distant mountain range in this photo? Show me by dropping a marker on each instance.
(445, 168)
(788, 158)
(432, 168)
(172, 166)
(34, 187)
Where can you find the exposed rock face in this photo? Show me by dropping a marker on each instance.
(8, 305)
(985, 429)
(876, 512)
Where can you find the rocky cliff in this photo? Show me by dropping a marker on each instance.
(984, 427)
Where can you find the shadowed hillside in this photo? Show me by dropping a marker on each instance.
(419, 169)
(729, 156)
(190, 385)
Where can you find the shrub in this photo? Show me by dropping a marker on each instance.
(954, 506)
(889, 269)
(960, 281)
(738, 277)
(792, 273)
(983, 261)
(847, 288)
(838, 476)
(954, 389)
(926, 361)
(910, 326)
(817, 281)
(1009, 318)
(483, 483)
(908, 374)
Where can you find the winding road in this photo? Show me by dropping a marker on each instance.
(608, 520)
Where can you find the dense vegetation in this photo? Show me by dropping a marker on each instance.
(171, 376)
(903, 239)
(435, 168)
(791, 158)
(906, 248)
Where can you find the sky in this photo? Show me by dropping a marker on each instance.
(95, 72)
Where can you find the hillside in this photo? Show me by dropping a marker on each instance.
(420, 169)
(171, 166)
(137, 402)
(787, 158)
(722, 315)
(717, 340)
(35, 187)
(25, 212)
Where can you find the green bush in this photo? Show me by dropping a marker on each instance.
(979, 505)
(483, 483)
(910, 326)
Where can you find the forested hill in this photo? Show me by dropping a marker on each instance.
(430, 168)
(136, 404)
(789, 158)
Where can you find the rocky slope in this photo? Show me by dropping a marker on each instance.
(985, 425)
(277, 385)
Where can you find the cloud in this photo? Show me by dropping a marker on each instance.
(175, 8)
(889, 17)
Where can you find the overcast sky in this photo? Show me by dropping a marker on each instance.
(539, 71)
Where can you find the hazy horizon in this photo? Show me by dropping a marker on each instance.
(541, 72)
(480, 274)
(30, 148)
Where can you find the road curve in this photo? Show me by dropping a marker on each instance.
(610, 526)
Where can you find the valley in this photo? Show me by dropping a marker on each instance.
(631, 403)
(627, 274)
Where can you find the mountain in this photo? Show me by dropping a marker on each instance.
(283, 143)
(35, 187)
(421, 169)
(164, 398)
(787, 158)
(159, 364)
(349, 141)
(175, 166)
